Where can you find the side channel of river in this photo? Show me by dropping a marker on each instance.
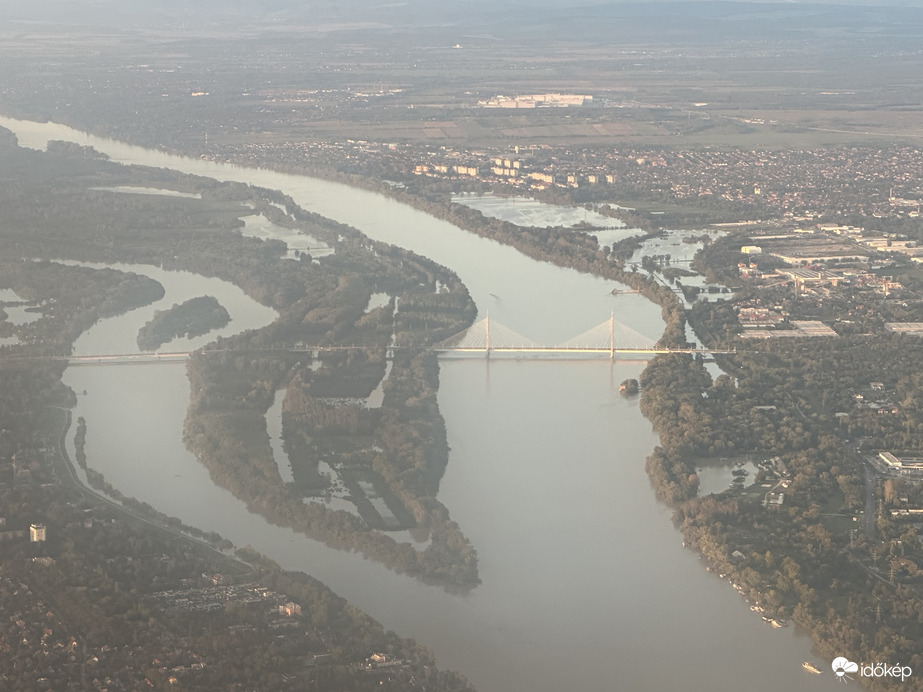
(585, 582)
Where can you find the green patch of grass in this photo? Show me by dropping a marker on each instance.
(838, 524)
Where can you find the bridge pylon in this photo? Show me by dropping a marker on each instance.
(612, 335)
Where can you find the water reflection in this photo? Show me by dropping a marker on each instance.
(297, 243)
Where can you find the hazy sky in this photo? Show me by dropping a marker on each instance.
(192, 14)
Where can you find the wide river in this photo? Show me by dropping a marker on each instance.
(585, 582)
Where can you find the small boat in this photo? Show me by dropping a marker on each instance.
(810, 667)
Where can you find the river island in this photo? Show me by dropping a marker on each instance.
(774, 226)
(194, 317)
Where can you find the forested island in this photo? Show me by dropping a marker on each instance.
(320, 304)
(793, 562)
(817, 534)
(194, 317)
(113, 547)
(69, 299)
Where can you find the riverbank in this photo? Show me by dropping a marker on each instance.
(540, 453)
(678, 392)
(559, 246)
(101, 492)
(150, 604)
(322, 304)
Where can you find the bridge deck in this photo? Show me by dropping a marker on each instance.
(478, 351)
(482, 339)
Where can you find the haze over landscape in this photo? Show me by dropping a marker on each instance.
(456, 346)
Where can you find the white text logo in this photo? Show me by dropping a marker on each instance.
(842, 666)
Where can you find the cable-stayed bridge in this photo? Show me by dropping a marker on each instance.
(481, 340)
(610, 338)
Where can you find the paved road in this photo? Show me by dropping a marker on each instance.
(871, 483)
(871, 475)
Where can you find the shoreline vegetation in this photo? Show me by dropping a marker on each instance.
(792, 563)
(563, 247)
(96, 542)
(105, 571)
(399, 448)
